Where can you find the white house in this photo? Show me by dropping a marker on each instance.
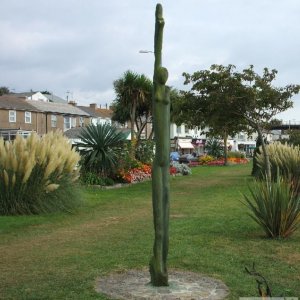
(98, 115)
(36, 96)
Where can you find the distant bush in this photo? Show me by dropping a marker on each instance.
(275, 207)
(235, 154)
(184, 169)
(145, 151)
(214, 148)
(91, 178)
(37, 175)
(203, 160)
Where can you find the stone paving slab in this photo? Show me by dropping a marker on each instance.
(183, 285)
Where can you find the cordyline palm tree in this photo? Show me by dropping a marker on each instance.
(131, 90)
(100, 147)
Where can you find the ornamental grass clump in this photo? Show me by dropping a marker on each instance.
(275, 206)
(284, 160)
(37, 175)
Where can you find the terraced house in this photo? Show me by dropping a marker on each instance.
(18, 115)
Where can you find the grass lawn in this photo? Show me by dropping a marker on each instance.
(60, 256)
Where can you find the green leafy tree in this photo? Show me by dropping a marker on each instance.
(294, 137)
(143, 115)
(259, 102)
(100, 147)
(209, 102)
(4, 90)
(132, 90)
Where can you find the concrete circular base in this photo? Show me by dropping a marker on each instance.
(183, 285)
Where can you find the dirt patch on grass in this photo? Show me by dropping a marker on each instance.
(285, 254)
(183, 285)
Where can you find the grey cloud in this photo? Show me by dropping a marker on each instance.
(84, 46)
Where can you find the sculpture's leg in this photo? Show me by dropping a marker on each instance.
(158, 268)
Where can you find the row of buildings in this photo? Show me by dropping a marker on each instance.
(22, 113)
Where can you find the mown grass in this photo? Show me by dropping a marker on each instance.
(60, 256)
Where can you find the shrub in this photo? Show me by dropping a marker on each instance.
(100, 148)
(91, 178)
(235, 154)
(145, 151)
(203, 160)
(284, 160)
(184, 169)
(214, 148)
(125, 161)
(37, 174)
(275, 207)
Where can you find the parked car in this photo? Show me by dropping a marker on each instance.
(174, 156)
(187, 158)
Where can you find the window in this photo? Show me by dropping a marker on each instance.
(186, 129)
(178, 130)
(53, 120)
(12, 116)
(67, 123)
(28, 117)
(242, 137)
(73, 121)
(81, 121)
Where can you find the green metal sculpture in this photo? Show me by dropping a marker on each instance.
(160, 169)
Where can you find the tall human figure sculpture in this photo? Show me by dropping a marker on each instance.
(161, 163)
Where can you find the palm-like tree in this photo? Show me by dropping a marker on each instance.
(100, 147)
(132, 90)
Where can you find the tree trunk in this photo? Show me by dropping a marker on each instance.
(265, 154)
(225, 149)
(132, 122)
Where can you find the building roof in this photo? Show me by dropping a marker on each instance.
(104, 113)
(97, 112)
(57, 108)
(88, 110)
(54, 98)
(73, 133)
(26, 94)
(15, 103)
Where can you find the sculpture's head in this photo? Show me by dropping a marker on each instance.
(162, 75)
(159, 11)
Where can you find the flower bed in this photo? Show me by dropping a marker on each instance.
(236, 160)
(231, 160)
(136, 174)
(143, 172)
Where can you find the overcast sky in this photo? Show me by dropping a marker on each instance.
(82, 46)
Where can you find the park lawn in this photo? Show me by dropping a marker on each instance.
(60, 256)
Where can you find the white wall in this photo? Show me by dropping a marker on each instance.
(38, 97)
(184, 131)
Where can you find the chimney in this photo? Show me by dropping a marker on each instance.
(106, 105)
(72, 102)
(93, 106)
(100, 106)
